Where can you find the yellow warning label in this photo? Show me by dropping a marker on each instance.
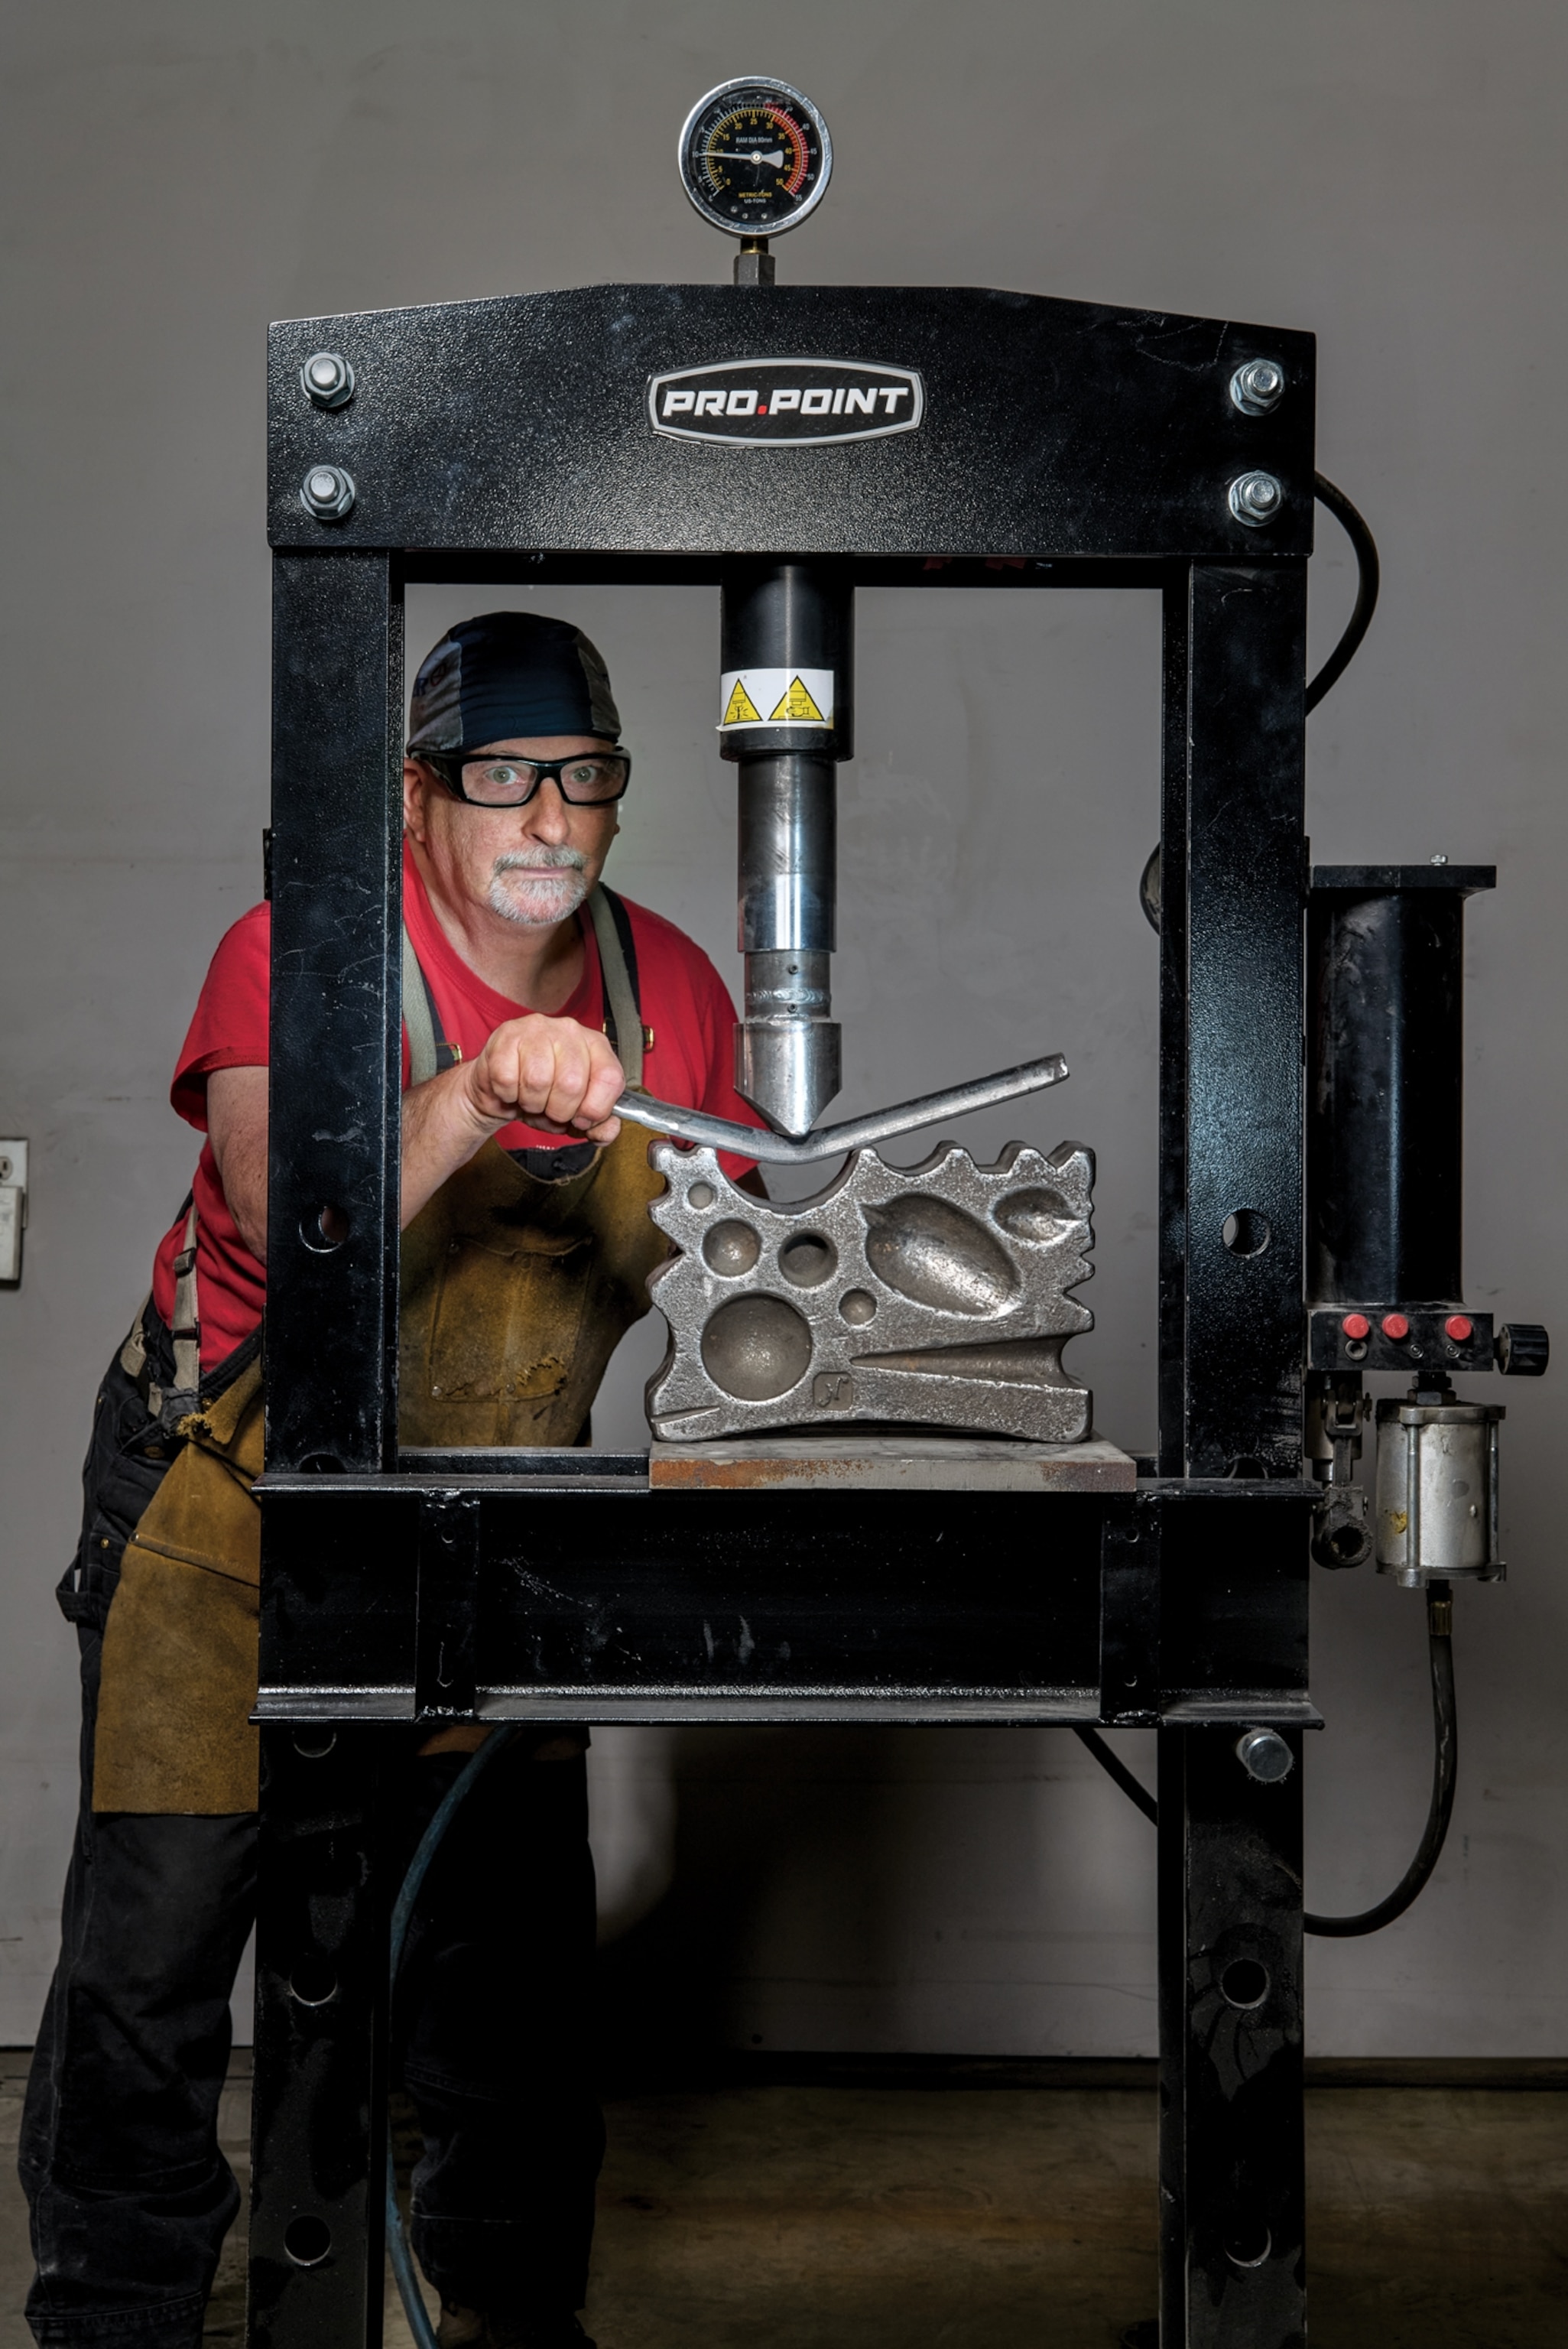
(797, 707)
(796, 697)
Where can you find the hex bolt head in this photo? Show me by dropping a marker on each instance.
(1257, 386)
(1265, 1755)
(1256, 499)
(327, 492)
(327, 378)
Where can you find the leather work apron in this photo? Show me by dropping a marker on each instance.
(517, 1284)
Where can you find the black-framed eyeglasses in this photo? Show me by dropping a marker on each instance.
(496, 778)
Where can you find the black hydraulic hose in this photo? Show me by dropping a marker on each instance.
(399, 2249)
(1115, 1767)
(1367, 576)
(1366, 546)
(1445, 1777)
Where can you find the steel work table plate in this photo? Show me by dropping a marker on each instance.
(598, 1587)
(891, 1464)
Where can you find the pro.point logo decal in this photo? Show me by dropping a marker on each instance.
(786, 403)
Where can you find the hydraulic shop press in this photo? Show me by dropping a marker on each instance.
(872, 1491)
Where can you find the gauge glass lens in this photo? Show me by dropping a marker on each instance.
(755, 157)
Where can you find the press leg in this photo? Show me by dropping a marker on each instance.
(319, 2128)
(1232, 2186)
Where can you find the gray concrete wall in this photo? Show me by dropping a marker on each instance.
(1391, 178)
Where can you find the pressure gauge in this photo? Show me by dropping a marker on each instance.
(755, 157)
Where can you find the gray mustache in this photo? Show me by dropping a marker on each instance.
(545, 860)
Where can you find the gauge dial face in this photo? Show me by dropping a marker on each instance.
(755, 157)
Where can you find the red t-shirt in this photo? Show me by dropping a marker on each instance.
(684, 1000)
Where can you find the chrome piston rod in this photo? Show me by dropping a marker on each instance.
(787, 660)
(855, 1133)
(787, 1060)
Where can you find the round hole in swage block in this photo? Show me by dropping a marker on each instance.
(731, 1248)
(756, 1347)
(314, 1744)
(806, 1260)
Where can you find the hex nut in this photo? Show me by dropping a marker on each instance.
(1257, 386)
(1256, 499)
(326, 379)
(327, 492)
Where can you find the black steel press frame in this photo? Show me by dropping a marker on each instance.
(1064, 445)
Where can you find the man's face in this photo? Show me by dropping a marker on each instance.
(530, 866)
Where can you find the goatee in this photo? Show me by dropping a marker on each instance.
(555, 886)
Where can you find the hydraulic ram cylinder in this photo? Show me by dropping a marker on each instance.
(786, 720)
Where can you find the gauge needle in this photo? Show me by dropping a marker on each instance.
(776, 158)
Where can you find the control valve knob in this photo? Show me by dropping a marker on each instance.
(1522, 1350)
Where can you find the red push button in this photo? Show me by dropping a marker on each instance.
(1458, 1327)
(1394, 1325)
(1356, 1325)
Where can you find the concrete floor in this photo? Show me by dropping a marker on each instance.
(992, 2217)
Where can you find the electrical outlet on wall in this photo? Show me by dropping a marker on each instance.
(13, 1211)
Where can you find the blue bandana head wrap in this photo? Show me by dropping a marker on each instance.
(510, 675)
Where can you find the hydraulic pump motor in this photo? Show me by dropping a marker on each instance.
(1438, 1492)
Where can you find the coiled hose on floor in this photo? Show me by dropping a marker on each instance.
(1445, 1777)
(397, 2244)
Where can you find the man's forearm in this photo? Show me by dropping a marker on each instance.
(441, 1132)
(237, 1130)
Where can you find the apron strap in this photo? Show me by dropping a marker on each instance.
(618, 969)
(186, 1328)
(133, 1353)
(429, 1051)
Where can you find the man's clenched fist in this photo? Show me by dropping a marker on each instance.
(550, 1073)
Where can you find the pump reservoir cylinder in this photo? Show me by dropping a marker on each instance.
(1385, 1138)
(1385, 1220)
(1385, 1225)
(786, 720)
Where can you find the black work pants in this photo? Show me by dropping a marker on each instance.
(130, 2196)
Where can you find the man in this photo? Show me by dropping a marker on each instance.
(529, 996)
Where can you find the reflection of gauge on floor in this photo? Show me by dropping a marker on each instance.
(755, 156)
